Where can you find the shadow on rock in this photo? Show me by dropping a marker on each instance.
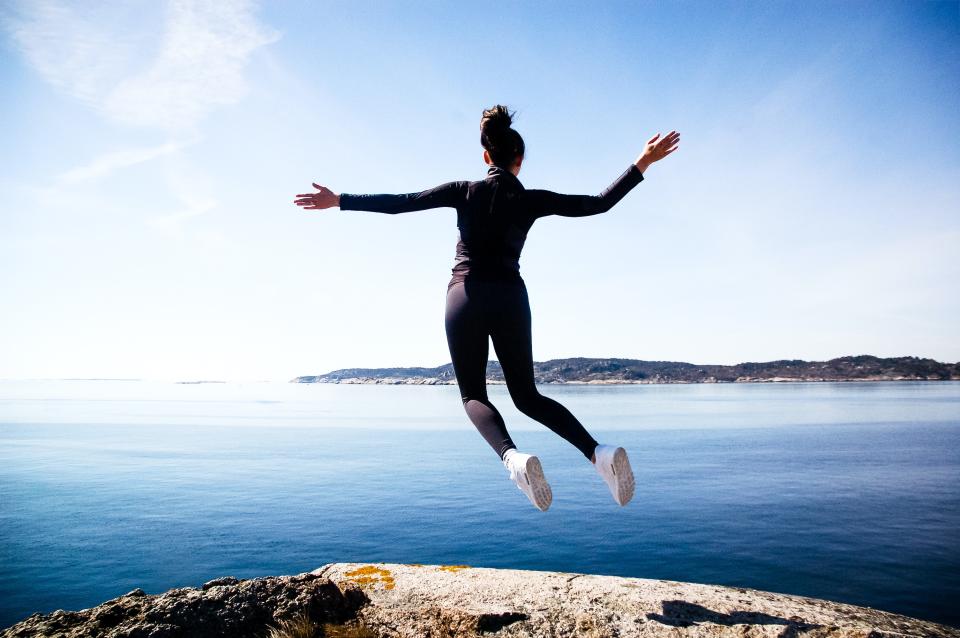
(680, 613)
(496, 622)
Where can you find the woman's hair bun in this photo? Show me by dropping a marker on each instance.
(496, 135)
(496, 118)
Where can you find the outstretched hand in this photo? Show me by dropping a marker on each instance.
(656, 149)
(325, 198)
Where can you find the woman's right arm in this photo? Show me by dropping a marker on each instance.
(451, 194)
(543, 202)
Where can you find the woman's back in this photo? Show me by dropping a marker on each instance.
(494, 215)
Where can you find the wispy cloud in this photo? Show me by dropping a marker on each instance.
(107, 163)
(112, 58)
(172, 223)
(199, 67)
(81, 50)
(156, 65)
(195, 195)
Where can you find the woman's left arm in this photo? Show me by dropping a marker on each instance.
(449, 194)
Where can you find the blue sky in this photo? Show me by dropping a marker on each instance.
(151, 152)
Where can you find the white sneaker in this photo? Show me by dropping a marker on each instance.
(614, 466)
(527, 473)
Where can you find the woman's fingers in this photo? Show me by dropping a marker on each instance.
(316, 201)
(670, 139)
(667, 139)
(322, 189)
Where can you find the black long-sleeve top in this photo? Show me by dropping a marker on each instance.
(494, 215)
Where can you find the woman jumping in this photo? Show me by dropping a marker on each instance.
(487, 297)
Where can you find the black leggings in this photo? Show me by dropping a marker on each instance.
(476, 311)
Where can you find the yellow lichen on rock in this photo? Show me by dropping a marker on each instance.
(453, 568)
(370, 575)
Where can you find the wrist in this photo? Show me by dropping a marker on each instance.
(643, 165)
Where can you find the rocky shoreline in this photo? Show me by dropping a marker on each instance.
(372, 600)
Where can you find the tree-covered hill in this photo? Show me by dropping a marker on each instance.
(613, 370)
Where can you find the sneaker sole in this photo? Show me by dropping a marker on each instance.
(539, 492)
(626, 485)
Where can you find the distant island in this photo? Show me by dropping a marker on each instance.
(618, 371)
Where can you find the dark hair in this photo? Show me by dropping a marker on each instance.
(502, 142)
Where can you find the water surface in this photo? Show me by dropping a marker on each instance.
(845, 491)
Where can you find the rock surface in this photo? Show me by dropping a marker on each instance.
(440, 601)
(221, 607)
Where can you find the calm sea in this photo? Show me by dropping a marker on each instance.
(845, 491)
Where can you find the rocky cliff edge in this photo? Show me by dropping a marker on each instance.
(368, 600)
